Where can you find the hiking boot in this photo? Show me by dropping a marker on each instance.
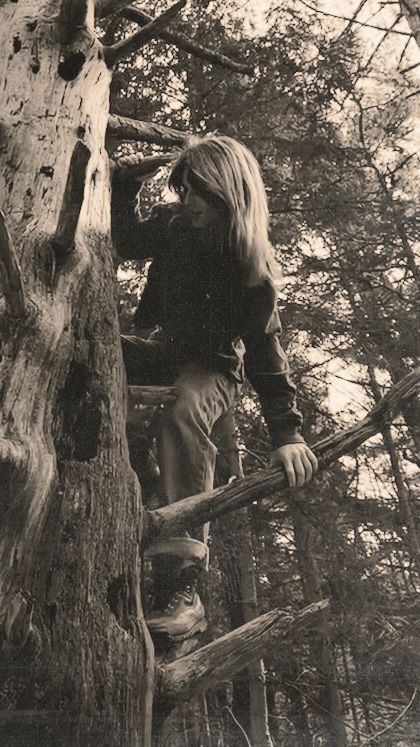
(182, 618)
(191, 551)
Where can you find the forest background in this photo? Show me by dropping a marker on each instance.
(331, 112)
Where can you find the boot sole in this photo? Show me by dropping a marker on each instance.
(185, 548)
(199, 627)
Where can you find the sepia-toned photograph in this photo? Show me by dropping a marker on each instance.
(210, 373)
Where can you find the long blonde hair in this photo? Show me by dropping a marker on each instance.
(224, 169)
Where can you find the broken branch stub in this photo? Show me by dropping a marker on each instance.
(222, 658)
(63, 240)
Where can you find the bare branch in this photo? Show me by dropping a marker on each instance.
(124, 128)
(181, 41)
(409, 68)
(125, 47)
(198, 509)
(382, 40)
(134, 167)
(10, 272)
(353, 20)
(63, 240)
(221, 659)
(104, 8)
(74, 15)
(388, 727)
(355, 14)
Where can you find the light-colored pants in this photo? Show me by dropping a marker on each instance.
(186, 453)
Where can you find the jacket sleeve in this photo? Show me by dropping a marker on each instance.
(135, 238)
(266, 365)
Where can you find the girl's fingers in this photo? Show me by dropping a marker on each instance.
(312, 458)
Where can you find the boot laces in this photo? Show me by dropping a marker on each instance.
(179, 596)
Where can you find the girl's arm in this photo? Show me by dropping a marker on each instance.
(267, 368)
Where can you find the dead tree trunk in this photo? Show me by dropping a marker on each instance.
(77, 664)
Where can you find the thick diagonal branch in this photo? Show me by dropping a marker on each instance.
(198, 509)
(63, 240)
(124, 128)
(181, 41)
(222, 658)
(137, 40)
(10, 273)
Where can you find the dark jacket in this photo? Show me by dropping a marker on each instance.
(196, 294)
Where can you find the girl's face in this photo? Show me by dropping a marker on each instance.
(201, 212)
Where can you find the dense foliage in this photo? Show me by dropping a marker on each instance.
(330, 114)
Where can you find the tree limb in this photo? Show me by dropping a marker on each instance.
(198, 509)
(151, 395)
(10, 272)
(132, 43)
(181, 41)
(222, 658)
(63, 240)
(124, 128)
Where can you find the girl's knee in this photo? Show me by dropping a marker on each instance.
(185, 413)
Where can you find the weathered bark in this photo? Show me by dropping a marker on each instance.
(10, 274)
(124, 128)
(198, 509)
(220, 659)
(77, 665)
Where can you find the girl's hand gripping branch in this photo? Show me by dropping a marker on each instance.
(299, 462)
